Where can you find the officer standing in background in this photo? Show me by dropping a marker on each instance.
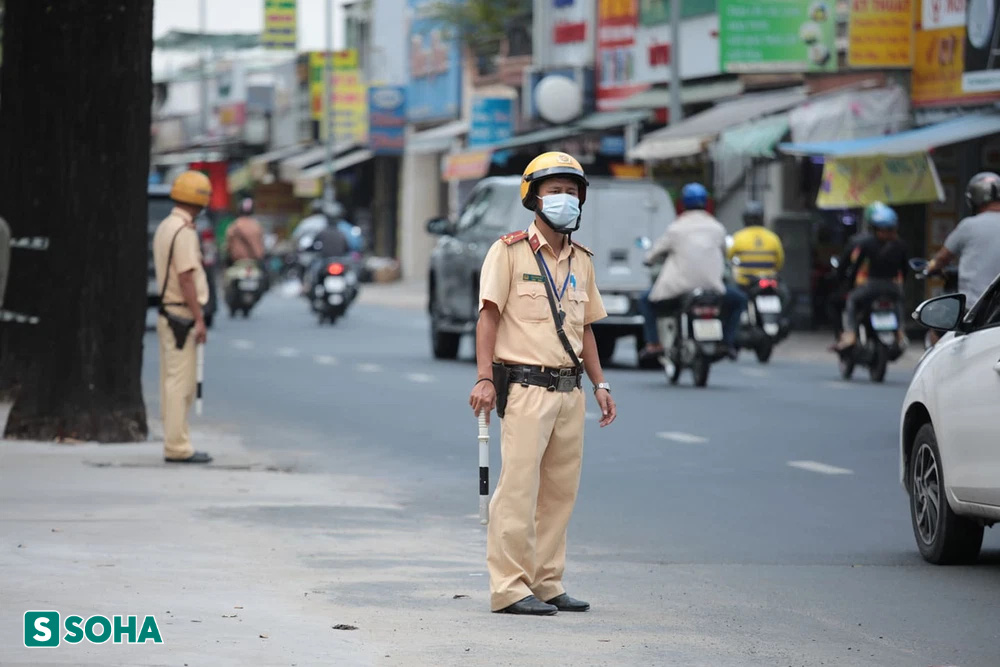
(538, 299)
(183, 293)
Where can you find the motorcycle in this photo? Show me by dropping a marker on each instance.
(332, 290)
(692, 337)
(245, 284)
(763, 324)
(950, 276)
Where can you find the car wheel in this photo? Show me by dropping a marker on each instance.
(605, 347)
(943, 537)
(444, 344)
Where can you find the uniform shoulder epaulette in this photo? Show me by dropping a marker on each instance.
(514, 237)
(584, 248)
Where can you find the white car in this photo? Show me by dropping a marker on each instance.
(950, 429)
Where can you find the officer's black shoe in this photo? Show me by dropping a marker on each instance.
(530, 606)
(566, 603)
(197, 457)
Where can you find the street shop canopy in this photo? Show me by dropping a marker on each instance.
(690, 136)
(292, 167)
(259, 163)
(595, 122)
(957, 130)
(755, 139)
(691, 93)
(180, 40)
(437, 139)
(310, 182)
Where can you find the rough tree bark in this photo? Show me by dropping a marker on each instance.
(75, 95)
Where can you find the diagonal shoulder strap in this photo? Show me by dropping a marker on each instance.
(166, 272)
(555, 316)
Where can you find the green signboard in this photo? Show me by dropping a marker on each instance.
(777, 35)
(653, 12)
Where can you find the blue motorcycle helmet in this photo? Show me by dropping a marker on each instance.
(881, 216)
(694, 196)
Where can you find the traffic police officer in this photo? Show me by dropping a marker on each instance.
(542, 432)
(183, 293)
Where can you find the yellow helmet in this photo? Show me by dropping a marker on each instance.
(192, 187)
(546, 165)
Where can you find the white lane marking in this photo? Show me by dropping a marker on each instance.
(420, 378)
(837, 384)
(325, 360)
(287, 352)
(369, 368)
(241, 344)
(822, 468)
(687, 438)
(754, 372)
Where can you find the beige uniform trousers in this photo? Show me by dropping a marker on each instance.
(178, 384)
(541, 446)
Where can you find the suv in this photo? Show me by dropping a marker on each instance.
(619, 219)
(159, 207)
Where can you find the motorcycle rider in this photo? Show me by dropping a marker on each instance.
(757, 250)
(976, 239)
(880, 263)
(694, 248)
(245, 236)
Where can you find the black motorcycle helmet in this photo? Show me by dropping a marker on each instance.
(753, 213)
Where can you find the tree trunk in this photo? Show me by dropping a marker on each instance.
(75, 96)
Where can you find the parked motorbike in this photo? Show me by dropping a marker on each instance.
(692, 337)
(763, 324)
(332, 290)
(245, 284)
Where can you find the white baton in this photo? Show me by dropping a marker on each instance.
(484, 469)
(201, 378)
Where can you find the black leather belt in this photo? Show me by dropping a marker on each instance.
(553, 379)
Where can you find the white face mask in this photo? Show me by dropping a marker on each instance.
(561, 210)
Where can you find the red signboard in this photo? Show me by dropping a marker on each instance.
(617, 21)
(568, 33)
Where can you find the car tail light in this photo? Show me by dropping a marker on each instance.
(335, 269)
(767, 283)
(705, 312)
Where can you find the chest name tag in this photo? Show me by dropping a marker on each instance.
(532, 278)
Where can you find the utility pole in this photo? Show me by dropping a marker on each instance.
(203, 30)
(328, 108)
(676, 110)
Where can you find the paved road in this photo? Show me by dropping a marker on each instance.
(764, 512)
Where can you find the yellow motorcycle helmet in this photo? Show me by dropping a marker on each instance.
(192, 187)
(546, 165)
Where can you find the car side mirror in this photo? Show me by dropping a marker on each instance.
(835, 262)
(439, 226)
(943, 313)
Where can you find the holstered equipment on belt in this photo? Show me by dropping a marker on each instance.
(501, 382)
(181, 326)
(553, 379)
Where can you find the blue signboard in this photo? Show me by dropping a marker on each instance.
(387, 119)
(492, 121)
(435, 90)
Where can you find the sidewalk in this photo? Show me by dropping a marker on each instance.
(111, 529)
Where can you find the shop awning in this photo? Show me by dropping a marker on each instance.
(755, 139)
(607, 120)
(853, 182)
(691, 93)
(437, 139)
(309, 183)
(690, 136)
(537, 137)
(292, 167)
(259, 163)
(919, 140)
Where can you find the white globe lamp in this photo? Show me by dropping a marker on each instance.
(559, 99)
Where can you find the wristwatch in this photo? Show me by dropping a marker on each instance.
(602, 385)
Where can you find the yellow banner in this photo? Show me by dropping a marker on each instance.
(857, 182)
(880, 33)
(350, 95)
(280, 25)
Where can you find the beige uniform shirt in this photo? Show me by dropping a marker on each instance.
(186, 257)
(512, 280)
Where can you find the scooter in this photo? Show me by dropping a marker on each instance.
(763, 324)
(692, 337)
(245, 284)
(333, 289)
(878, 340)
